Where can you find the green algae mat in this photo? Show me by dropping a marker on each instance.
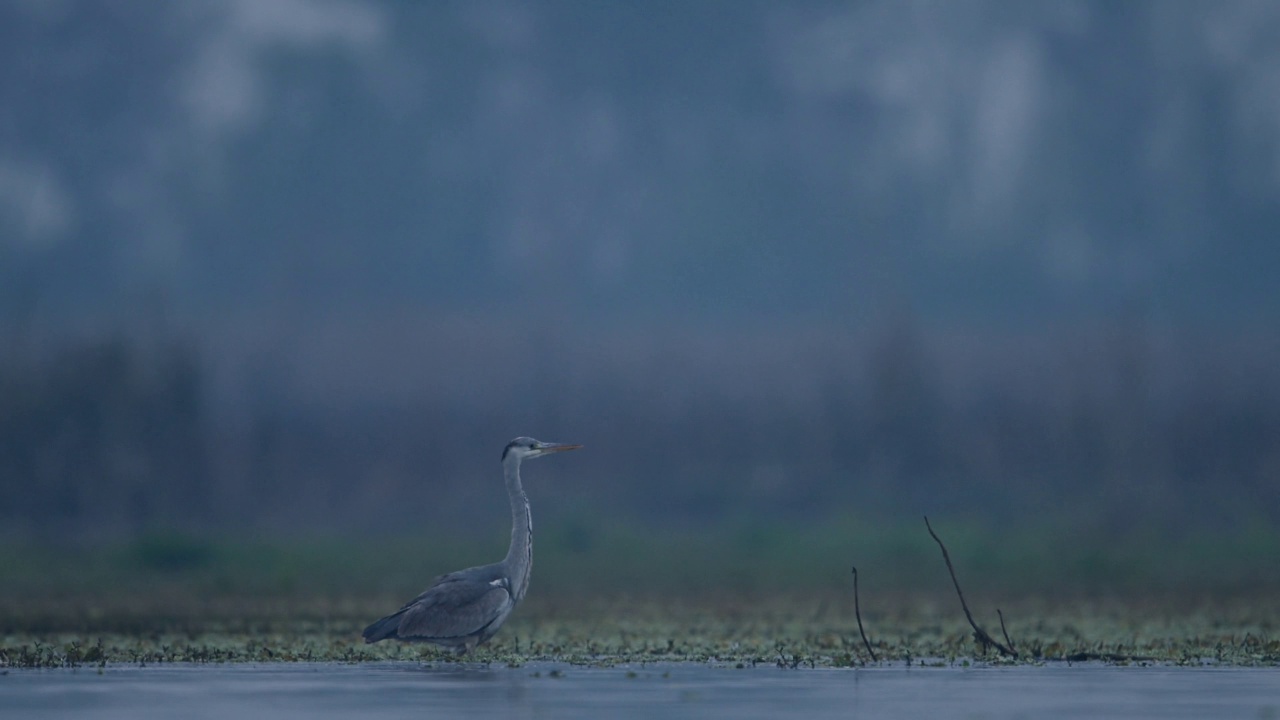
(794, 631)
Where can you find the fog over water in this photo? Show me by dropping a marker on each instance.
(676, 690)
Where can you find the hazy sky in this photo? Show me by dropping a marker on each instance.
(1048, 228)
(711, 157)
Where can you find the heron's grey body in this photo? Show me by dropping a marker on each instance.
(465, 608)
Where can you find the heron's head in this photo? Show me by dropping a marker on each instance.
(524, 448)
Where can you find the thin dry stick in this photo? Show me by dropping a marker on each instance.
(858, 614)
(978, 632)
(1005, 632)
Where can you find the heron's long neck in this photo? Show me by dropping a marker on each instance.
(519, 559)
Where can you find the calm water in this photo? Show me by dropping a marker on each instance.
(664, 691)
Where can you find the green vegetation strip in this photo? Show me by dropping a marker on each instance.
(745, 593)
(789, 630)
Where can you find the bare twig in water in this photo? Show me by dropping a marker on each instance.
(858, 614)
(978, 632)
(1005, 632)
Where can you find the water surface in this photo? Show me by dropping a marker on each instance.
(553, 690)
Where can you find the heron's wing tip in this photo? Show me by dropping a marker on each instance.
(382, 629)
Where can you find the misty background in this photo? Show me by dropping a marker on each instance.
(305, 266)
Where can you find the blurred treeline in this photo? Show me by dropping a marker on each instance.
(105, 435)
(1107, 428)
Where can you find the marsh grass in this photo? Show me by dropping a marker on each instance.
(738, 595)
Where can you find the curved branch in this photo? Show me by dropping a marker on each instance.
(978, 632)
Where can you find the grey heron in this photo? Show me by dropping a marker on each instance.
(465, 608)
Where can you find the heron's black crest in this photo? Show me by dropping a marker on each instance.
(518, 442)
(524, 442)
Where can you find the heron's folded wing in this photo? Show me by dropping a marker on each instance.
(454, 608)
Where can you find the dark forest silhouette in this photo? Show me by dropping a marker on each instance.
(119, 436)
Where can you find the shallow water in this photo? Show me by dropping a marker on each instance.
(669, 691)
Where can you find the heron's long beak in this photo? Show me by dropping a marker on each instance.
(557, 447)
